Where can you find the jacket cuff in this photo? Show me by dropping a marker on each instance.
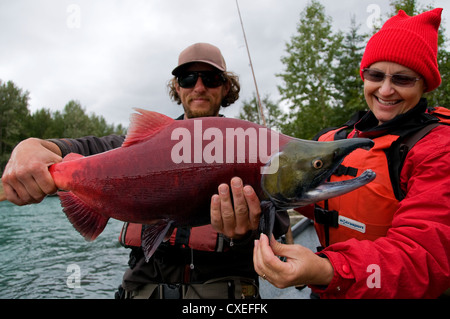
(343, 277)
(62, 146)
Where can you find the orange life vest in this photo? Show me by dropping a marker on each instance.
(367, 212)
(349, 214)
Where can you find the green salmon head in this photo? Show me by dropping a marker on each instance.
(302, 168)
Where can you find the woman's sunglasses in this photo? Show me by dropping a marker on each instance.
(209, 79)
(396, 79)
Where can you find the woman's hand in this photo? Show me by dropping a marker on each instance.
(301, 267)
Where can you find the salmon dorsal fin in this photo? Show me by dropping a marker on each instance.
(144, 125)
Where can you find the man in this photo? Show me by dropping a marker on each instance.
(196, 262)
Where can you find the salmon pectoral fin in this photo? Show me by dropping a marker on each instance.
(88, 222)
(267, 220)
(153, 235)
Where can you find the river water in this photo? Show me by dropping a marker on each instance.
(43, 257)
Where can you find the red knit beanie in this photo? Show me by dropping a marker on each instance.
(409, 41)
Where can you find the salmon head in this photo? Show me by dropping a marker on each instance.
(299, 172)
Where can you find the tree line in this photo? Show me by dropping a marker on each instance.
(18, 123)
(321, 86)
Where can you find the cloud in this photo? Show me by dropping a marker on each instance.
(113, 55)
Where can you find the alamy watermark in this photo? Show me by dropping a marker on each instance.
(74, 279)
(73, 20)
(248, 145)
(374, 19)
(374, 279)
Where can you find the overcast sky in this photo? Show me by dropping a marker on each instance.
(113, 55)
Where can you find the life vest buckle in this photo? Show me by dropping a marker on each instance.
(326, 217)
(344, 170)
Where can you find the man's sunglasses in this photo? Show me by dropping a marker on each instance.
(396, 79)
(210, 79)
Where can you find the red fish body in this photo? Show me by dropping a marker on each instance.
(166, 172)
(139, 182)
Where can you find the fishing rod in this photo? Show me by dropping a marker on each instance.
(261, 114)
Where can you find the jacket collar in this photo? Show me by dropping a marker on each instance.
(414, 118)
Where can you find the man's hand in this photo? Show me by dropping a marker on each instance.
(235, 218)
(26, 178)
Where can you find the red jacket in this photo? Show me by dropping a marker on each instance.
(413, 259)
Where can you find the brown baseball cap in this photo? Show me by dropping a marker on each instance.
(201, 52)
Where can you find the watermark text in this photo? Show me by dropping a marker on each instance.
(373, 19)
(232, 145)
(74, 279)
(374, 279)
(73, 20)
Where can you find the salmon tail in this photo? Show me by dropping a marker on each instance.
(153, 235)
(267, 220)
(88, 222)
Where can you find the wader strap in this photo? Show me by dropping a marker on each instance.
(182, 236)
(220, 243)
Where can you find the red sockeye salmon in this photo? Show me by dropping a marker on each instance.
(166, 171)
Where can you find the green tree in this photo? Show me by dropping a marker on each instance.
(72, 122)
(308, 76)
(120, 129)
(272, 113)
(347, 81)
(411, 7)
(76, 122)
(13, 111)
(441, 96)
(99, 126)
(41, 124)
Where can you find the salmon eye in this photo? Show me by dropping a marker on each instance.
(317, 164)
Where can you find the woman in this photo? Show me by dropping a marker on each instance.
(378, 241)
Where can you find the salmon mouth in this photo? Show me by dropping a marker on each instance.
(323, 191)
(333, 189)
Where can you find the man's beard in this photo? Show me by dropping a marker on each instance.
(214, 111)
